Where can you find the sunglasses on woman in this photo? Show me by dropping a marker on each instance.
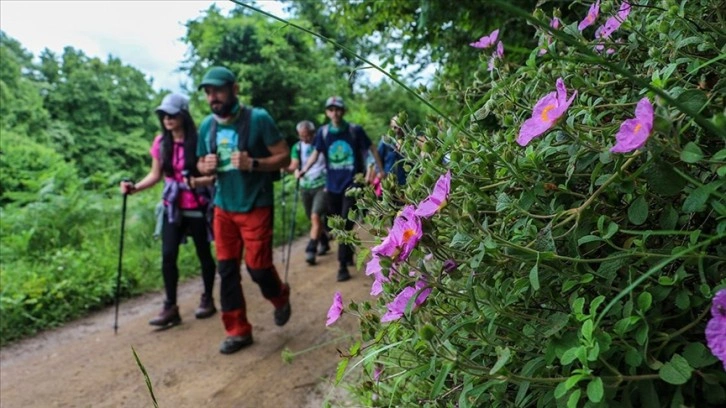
(163, 115)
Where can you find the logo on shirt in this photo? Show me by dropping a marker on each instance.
(340, 156)
(226, 144)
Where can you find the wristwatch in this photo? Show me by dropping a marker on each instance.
(255, 164)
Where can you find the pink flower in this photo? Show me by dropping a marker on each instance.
(403, 237)
(555, 23)
(590, 17)
(336, 309)
(716, 327)
(611, 25)
(545, 113)
(486, 41)
(373, 267)
(376, 287)
(437, 200)
(634, 132)
(397, 307)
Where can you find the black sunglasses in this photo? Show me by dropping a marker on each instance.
(163, 115)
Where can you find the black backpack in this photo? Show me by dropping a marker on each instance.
(243, 136)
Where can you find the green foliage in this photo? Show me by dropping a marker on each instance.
(584, 277)
(21, 104)
(102, 111)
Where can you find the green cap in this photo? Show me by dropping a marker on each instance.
(217, 76)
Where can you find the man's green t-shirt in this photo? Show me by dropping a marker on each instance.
(241, 191)
(315, 176)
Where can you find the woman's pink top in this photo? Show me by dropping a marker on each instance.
(187, 200)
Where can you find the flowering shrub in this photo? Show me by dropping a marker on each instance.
(576, 267)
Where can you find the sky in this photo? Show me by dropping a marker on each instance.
(143, 34)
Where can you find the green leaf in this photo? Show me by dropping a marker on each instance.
(503, 202)
(677, 371)
(638, 211)
(691, 153)
(341, 370)
(503, 355)
(633, 357)
(611, 230)
(595, 390)
(560, 390)
(574, 398)
(440, 379)
(361, 257)
(569, 355)
(645, 299)
(698, 355)
(534, 277)
(573, 380)
(668, 218)
(693, 99)
(588, 238)
(663, 180)
(683, 300)
(696, 201)
(587, 328)
(555, 323)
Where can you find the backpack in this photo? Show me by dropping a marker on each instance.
(359, 161)
(243, 136)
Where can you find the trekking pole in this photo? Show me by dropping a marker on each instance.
(292, 227)
(284, 211)
(120, 257)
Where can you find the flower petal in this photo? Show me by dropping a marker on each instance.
(336, 309)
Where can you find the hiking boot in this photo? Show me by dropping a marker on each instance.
(168, 317)
(282, 313)
(324, 249)
(206, 307)
(310, 258)
(324, 244)
(343, 274)
(233, 344)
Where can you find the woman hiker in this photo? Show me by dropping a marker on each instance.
(185, 200)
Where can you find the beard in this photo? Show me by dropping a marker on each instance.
(223, 109)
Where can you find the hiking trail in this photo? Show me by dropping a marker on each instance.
(83, 364)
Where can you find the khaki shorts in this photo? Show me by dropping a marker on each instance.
(314, 201)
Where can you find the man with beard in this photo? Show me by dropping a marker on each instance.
(243, 146)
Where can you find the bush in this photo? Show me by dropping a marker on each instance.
(583, 277)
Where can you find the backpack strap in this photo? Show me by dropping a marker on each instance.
(299, 155)
(243, 128)
(326, 129)
(213, 136)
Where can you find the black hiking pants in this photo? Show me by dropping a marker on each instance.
(171, 237)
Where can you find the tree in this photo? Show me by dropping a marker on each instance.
(21, 106)
(102, 111)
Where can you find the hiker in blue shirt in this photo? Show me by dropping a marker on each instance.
(343, 144)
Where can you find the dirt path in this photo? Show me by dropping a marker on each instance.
(83, 364)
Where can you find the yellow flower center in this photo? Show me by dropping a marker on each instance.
(545, 111)
(407, 234)
(637, 128)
